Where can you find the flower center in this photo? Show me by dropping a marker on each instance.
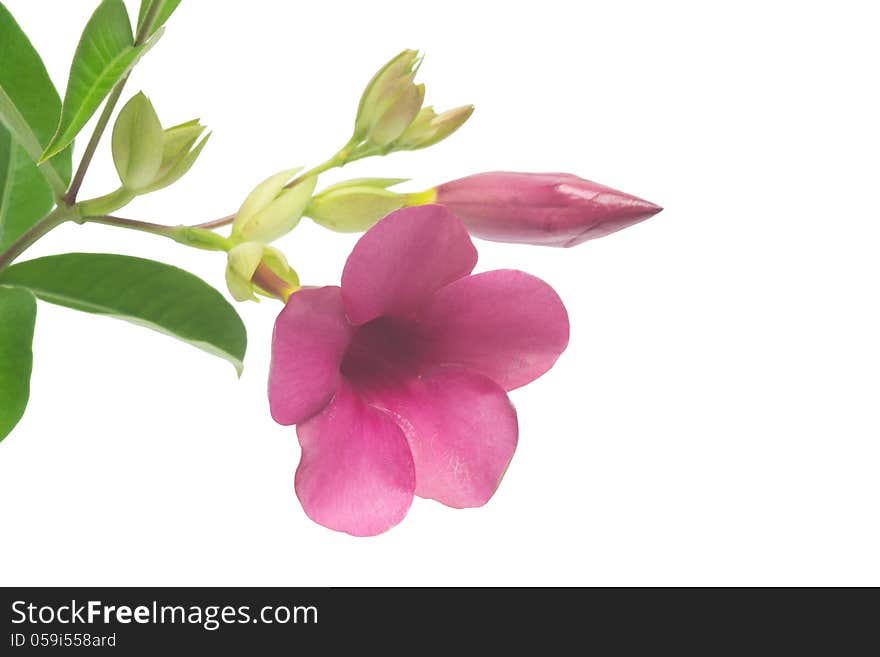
(384, 347)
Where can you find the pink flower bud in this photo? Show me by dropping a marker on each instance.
(551, 209)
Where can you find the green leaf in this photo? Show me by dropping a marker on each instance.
(29, 111)
(148, 293)
(166, 8)
(18, 312)
(105, 53)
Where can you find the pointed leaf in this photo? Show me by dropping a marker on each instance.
(166, 8)
(105, 53)
(148, 293)
(18, 312)
(29, 111)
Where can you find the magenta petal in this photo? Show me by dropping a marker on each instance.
(505, 324)
(402, 260)
(356, 474)
(310, 339)
(461, 428)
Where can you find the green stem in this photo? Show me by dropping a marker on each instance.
(199, 238)
(216, 223)
(343, 157)
(51, 221)
(92, 146)
(369, 151)
(147, 25)
(187, 235)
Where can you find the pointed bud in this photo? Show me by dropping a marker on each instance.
(398, 115)
(354, 206)
(273, 209)
(244, 276)
(391, 100)
(430, 128)
(420, 126)
(137, 143)
(180, 152)
(552, 209)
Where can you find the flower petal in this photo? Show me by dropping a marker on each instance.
(402, 260)
(310, 339)
(462, 430)
(505, 324)
(356, 474)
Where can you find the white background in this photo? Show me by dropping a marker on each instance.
(715, 418)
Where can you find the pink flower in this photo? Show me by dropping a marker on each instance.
(552, 209)
(397, 380)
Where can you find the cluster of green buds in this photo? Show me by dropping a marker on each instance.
(270, 211)
(390, 115)
(148, 157)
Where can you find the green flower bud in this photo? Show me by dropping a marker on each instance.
(146, 156)
(398, 114)
(273, 209)
(428, 128)
(180, 151)
(137, 143)
(391, 100)
(355, 205)
(242, 268)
